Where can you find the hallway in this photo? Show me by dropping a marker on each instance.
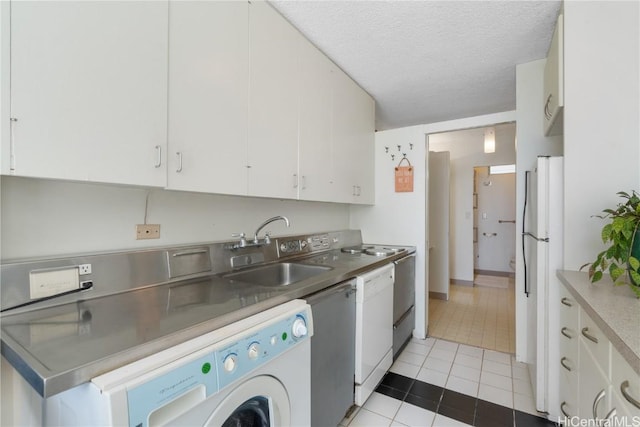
(482, 315)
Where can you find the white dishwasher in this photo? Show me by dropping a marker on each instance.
(374, 330)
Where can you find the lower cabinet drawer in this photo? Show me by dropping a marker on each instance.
(626, 385)
(598, 344)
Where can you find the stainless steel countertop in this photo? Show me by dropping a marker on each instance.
(59, 347)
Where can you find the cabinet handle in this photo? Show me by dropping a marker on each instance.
(623, 389)
(359, 190)
(12, 145)
(179, 154)
(596, 402)
(566, 301)
(564, 365)
(547, 112)
(295, 180)
(565, 332)
(585, 332)
(562, 405)
(190, 252)
(609, 416)
(158, 156)
(304, 182)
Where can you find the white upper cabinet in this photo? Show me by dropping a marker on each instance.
(314, 145)
(89, 91)
(353, 118)
(554, 83)
(208, 96)
(273, 104)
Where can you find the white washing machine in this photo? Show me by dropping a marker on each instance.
(255, 372)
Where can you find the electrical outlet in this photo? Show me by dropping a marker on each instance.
(147, 231)
(84, 269)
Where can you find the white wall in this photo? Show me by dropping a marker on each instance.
(400, 218)
(467, 150)
(602, 117)
(47, 218)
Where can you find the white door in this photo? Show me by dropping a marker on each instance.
(208, 96)
(439, 171)
(89, 90)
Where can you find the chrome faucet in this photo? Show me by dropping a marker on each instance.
(256, 241)
(267, 239)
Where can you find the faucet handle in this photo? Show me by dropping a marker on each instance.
(241, 235)
(267, 238)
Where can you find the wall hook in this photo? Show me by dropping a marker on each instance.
(399, 146)
(404, 155)
(386, 149)
(411, 146)
(393, 157)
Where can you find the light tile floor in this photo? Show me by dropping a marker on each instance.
(486, 374)
(482, 316)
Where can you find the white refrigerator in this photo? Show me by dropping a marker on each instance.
(542, 246)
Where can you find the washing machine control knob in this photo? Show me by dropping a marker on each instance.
(254, 351)
(299, 328)
(230, 363)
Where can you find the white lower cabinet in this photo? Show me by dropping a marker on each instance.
(595, 394)
(568, 339)
(596, 383)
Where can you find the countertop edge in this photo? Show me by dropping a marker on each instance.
(578, 285)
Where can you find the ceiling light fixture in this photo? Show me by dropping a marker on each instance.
(490, 140)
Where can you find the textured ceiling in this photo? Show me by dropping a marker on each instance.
(429, 61)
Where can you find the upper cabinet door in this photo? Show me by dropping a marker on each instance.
(89, 90)
(353, 117)
(208, 96)
(314, 145)
(554, 83)
(273, 104)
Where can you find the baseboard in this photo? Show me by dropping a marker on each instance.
(493, 273)
(438, 295)
(461, 282)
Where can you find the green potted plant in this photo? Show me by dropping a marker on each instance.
(622, 234)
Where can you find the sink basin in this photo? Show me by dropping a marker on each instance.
(281, 274)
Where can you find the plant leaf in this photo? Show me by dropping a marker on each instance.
(634, 263)
(616, 273)
(596, 276)
(606, 232)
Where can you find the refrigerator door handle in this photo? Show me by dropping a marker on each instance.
(539, 239)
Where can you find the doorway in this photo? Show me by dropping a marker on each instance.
(480, 309)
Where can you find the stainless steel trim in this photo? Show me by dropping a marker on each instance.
(566, 301)
(190, 252)
(565, 366)
(585, 333)
(623, 389)
(401, 319)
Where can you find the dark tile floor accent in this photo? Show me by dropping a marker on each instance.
(466, 409)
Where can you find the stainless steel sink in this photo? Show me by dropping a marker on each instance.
(281, 274)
